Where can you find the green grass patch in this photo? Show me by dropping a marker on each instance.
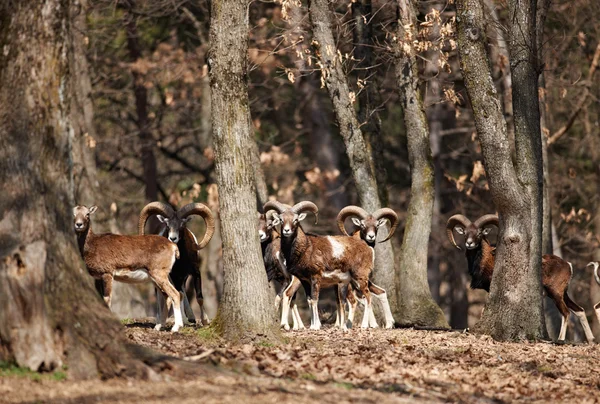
(8, 369)
(308, 376)
(344, 385)
(127, 321)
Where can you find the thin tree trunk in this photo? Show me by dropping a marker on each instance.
(435, 111)
(50, 314)
(514, 309)
(361, 161)
(141, 106)
(245, 308)
(370, 121)
(415, 301)
(368, 97)
(314, 117)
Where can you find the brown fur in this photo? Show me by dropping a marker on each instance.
(104, 254)
(556, 272)
(310, 258)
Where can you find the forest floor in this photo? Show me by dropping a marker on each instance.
(331, 366)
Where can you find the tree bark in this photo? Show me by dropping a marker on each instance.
(359, 156)
(82, 113)
(514, 309)
(434, 112)
(245, 306)
(370, 121)
(50, 314)
(416, 304)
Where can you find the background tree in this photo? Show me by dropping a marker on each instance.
(415, 302)
(357, 149)
(514, 309)
(245, 307)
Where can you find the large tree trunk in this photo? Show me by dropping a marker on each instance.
(361, 161)
(514, 309)
(417, 307)
(245, 306)
(50, 314)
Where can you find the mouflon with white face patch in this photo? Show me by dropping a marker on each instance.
(323, 260)
(270, 243)
(175, 229)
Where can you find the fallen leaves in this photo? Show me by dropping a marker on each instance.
(448, 366)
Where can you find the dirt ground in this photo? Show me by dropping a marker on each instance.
(331, 366)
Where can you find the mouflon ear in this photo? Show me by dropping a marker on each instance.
(93, 209)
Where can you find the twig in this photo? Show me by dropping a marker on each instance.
(586, 92)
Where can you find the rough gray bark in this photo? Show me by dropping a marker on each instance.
(82, 113)
(245, 309)
(359, 155)
(50, 314)
(417, 307)
(514, 309)
(547, 247)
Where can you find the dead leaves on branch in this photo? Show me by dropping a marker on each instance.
(477, 179)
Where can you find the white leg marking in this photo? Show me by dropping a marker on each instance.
(277, 301)
(315, 321)
(365, 320)
(597, 311)
(563, 329)
(351, 311)
(177, 313)
(298, 324)
(285, 312)
(586, 326)
(387, 311)
(161, 310)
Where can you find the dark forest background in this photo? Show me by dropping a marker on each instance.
(150, 105)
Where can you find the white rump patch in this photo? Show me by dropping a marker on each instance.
(336, 247)
(127, 276)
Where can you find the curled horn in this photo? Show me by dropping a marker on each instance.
(596, 276)
(487, 220)
(203, 211)
(389, 214)
(452, 223)
(346, 213)
(276, 206)
(154, 208)
(308, 207)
